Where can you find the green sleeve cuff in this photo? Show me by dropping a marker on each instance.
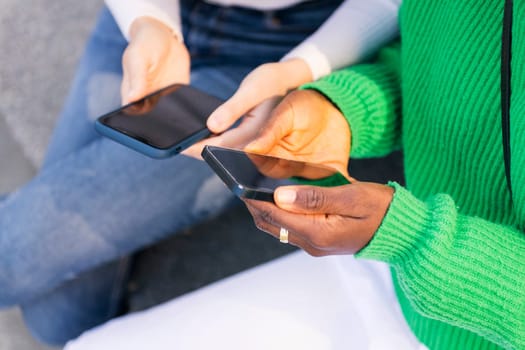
(408, 226)
(462, 270)
(368, 96)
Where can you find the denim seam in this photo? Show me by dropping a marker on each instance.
(117, 290)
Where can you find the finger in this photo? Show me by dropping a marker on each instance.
(278, 127)
(275, 231)
(230, 111)
(341, 200)
(195, 150)
(262, 83)
(233, 138)
(239, 136)
(124, 88)
(135, 76)
(245, 99)
(319, 232)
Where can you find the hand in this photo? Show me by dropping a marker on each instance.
(239, 136)
(325, 220)
(265, 82)
(154, 59)
(306, 126)
(258, 94)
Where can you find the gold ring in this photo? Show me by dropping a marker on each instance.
(283, 235)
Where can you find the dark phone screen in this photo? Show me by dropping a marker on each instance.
(165, 118)
(254, 170)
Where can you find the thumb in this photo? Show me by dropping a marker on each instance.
(264, 82)
(135, 79)
(313, 199)
(278, 127)
(244, 100)
(269, 138)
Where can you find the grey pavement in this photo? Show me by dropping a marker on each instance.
(15, 169)
(40, 42)
(13, 335)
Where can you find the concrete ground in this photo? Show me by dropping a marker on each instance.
(40, 42)
(14, 170)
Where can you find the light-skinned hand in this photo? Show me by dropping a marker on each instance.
(154, 59)
(325, 220)
(239, 136)
(257, 95)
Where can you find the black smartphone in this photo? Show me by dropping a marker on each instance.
(161, 124)
(250, 175)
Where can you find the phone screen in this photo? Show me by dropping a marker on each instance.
(165, 118)
(256, 172)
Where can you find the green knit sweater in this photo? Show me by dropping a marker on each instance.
(454, 239)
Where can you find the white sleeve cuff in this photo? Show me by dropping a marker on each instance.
(354, 31)
(315, 59)
(126, 11)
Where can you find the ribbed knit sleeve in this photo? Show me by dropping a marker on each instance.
(452, 266)
(368, 95)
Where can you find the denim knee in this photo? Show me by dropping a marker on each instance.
(78, 305)
(49, 328)
(10, 293)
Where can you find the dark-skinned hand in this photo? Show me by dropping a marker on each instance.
(325, 221)
(305, 126)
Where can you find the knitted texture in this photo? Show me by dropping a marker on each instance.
(371, 91)
(455, 241)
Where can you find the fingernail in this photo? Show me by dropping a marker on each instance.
(219, 116)
(286, 196)
(214, 124)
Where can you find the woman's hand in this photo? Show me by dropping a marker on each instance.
(325, 220)
(154, 59)
(258, 94)
(242, 134)
(306, 126)
(265, 82)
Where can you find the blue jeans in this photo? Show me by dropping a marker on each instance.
(64, 237)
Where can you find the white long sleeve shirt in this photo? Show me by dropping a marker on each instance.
(354, 30)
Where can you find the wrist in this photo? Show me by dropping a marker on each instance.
(297, 72)
(410, 227)
(315, 59)
(145, 23)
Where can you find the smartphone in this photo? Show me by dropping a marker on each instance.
(161, 124)
(250, 175)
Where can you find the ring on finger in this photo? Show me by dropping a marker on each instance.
(283, 235)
